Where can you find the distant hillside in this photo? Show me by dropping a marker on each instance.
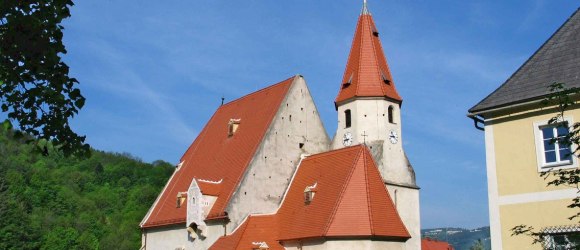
(460, 238)
(52, 202)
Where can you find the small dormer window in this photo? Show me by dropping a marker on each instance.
(181, 197)
(260, 246)
(375, 32)
(385, 79)
(347, 83)
(309, 193)
(233, 125)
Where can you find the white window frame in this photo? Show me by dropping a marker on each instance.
(540, 157)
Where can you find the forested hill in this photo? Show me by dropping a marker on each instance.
(52, 202)
(461, 238)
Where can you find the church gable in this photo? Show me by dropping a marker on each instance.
(218, 156)
(295, 130)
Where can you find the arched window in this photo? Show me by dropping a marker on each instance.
(391, 110)
(347, 118)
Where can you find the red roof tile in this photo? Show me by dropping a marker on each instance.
(431, 244)
(215, 156)
(255, 230)
(350, 201)
(367, 69)
(212, 189)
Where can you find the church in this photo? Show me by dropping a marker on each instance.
(264, 174)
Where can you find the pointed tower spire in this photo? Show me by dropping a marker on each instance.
(365, 10)
(367, 73)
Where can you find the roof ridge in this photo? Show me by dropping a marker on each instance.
(290, 182)
(369, 204)
(258, 91)
(334, 151)
(390, 203)
(241, 233)
(473, 109)
(341, 194)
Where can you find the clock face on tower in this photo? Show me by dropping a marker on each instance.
(393, 137)
(347, 139)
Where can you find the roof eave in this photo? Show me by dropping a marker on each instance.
(164, 223)
(338, 102)
(341, 237)
(504, 107)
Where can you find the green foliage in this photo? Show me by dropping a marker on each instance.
(536, 236)
(35, 87)
(478, 245)
(56, 202)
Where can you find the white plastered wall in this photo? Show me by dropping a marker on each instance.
(176, 237)
(406, 201)
(370, 124)
(268, 175)
(368, 116)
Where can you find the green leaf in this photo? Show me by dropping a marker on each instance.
(6, 125)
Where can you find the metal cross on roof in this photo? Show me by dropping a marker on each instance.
(364, 135)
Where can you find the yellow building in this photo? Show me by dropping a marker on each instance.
(518, 148)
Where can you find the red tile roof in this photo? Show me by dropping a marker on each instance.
(255, 230)
(215, 156)
(431, 244)
(351, 199)
(367, 68)
(213, 189)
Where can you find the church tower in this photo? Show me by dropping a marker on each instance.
(369, 112)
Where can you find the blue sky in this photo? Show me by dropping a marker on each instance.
(153, 73)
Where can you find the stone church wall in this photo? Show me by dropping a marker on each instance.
(296, 129)
(406, 201)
